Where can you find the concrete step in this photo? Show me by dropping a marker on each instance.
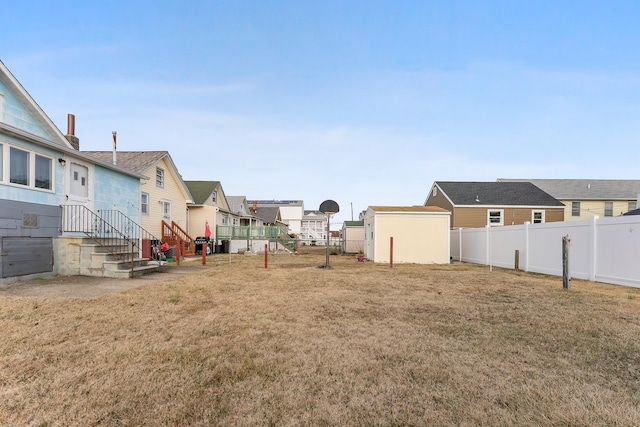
(128, 274)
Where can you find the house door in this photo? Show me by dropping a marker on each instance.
(77, 193)
(78, 184)
(166, 211)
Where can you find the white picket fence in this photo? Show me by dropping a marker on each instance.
(601, 249)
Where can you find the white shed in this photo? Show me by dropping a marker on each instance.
(420, 234)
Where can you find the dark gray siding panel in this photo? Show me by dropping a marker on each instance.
(25, 255)
(27, 231)
(21, 219)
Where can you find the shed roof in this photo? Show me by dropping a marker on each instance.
(407, 209)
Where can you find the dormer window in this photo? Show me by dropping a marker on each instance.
(214, 196)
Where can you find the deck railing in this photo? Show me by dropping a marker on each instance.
(174, 234)
(263, 232)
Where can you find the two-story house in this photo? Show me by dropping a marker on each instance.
(585, 198)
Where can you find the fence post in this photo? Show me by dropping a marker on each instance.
(178, 251)
(488, 239)
(565, 262)
(391, 252)
(266, 256)
(526, 246)
(593, 240)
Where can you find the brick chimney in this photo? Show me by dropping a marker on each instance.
(71, 132)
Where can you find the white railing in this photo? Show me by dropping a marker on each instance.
(601, 249)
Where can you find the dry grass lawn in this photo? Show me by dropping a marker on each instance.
(356, 345)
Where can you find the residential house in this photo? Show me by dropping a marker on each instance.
(584, 198)
(287, 212)
(212, 207)
(407, 234)
(313, 229)
(164, 197)
(209, 206)
(478, 204)
(352, 236)
(270, 212)
(45, 179)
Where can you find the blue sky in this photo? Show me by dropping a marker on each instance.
(362, 102)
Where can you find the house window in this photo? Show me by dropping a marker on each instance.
(214, 197)
(632, 204)
(608, 208)
(575, 208)
(1, 163)
(18, 166)
(537, 217)
(166, 211)
(144, 203)
(495, 217)
(43, 172)
(159, 177)
(235, 221)
(434, 192)
(27, 168)
(225, 219)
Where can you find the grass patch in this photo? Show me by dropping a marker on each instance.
(359, 344)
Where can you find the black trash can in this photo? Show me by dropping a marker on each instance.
(225, 246)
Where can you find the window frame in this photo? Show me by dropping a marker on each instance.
(144, 203)
(501, 214)
(34, 166)
(608, 208)
(576, 206)
(542, 216)
(214, 196)
(160, 177)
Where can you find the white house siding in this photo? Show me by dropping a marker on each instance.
(292, 216)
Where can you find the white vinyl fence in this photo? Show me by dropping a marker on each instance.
(601, 249)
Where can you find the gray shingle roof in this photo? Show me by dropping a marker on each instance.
(136, 161)
(586, 189)
(267, 214)
(496, 194)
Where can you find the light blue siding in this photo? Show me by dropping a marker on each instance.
(14, 114)
(117, 191)
(32, 195)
